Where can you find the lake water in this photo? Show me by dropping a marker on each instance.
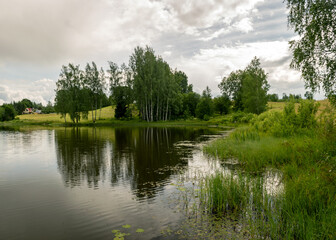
(82, 183)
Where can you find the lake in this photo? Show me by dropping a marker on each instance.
(84, 183)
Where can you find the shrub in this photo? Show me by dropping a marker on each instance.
(242, 117)
(288, 122)
(7, 112)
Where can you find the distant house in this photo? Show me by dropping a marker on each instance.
(38, 111)
(28, 111)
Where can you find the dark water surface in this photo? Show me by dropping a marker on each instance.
(82, 183)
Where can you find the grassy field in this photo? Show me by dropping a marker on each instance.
(279, 106)
(105, 113)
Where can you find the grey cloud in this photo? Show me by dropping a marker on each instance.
(39, 36)
(4, 96)
(45, 31)
(279, 62)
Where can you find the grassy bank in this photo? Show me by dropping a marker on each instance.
(105, 117)
(300, 145)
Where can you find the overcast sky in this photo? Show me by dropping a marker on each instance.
(207, 39)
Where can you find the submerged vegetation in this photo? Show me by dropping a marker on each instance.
(302, 147)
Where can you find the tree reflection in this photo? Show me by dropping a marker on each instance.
(80, 155)
(143, 158)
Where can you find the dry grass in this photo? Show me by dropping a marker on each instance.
(279, 106)
(106, 113)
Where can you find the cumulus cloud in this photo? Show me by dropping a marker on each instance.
(209, 66)
(40, 91)
(205, 38)
(49, 31)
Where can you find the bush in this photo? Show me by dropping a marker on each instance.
(306, 114)
(288, 122)
(7, 112)
(242, 117)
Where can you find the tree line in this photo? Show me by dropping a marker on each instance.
(149, 87)
(147, 84)
(158, 92)
(9, 111)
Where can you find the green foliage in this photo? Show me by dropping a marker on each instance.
(222, 104)
(309, 95)
(48, 109)
(314, 51)
(241, 117)
(190, 101)
(254, 88)
(273, 97)
(205, 108)
(247, 88)
(224, 193)
(2, 113)
(303, 150)
(289, 122)
(232, 86)
(7, 112)
(157, 90)
(307, 114)
(94, 85)
(121, 90)
(182, 79)
(71, 94)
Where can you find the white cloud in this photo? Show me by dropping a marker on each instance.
(244, 25)
(40, 91)
(39, 33)
(209, 66)
(51, 31)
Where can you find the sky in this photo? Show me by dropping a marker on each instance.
(206, 39)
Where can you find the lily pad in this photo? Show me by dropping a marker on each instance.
(139, 230)
(126, 226)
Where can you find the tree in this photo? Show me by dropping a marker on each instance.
(189, 103)
(285, 97)
(231, 86)
(222, 104)
(205, 108)
(120, 89)
(182, 80)
(7, 112)
(62, 103)
(247, 88)
(309, 95)
(94, 81)
(73, 97)
(49, 108)
(254, 88)
(314, 53)
(273, 97)
(157, 91)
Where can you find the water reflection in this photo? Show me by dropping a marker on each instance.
(143, 158)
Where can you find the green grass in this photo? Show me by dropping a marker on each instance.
(106, 113)
(279, 106)
(305, 208)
